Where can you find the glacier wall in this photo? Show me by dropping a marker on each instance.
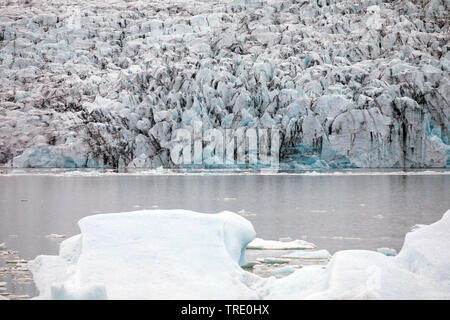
(108, 83)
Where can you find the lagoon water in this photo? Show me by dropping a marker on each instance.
(335, 212)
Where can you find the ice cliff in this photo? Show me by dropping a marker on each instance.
(107, 83)
(178, 254)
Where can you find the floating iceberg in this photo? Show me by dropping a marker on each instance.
(176, 254)
(319, 255)
(150, 255)
(420, 271)
(262, 244)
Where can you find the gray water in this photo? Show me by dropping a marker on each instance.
(334, 212)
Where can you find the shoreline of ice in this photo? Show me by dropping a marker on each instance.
(58, 172)
(173, 254)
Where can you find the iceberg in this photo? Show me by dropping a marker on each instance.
(262, 244)
(421, 270)
(157, 254)
(179, 254)
(318, 254)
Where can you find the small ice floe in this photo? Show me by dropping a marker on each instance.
(318, 211)
(2, 246)
(246, 214)
(316, 255)
(344, 238)
(229, 199)
(16, 261)
(2, 284)
(155, 206)
(379, 216)
(56, 236)
(262, 244)
(362, 204)
(273, 260)
(137, 206)
(387, 252)
(22, 280)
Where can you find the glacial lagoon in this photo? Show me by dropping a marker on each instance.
(334, 211)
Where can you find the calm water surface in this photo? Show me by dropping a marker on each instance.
(334, 212)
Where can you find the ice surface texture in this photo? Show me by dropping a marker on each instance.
(177, 254)
(106, 83)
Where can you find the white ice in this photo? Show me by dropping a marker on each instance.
(318, 254)
(262, 244)
(348, 83)
(157, 254)
(421, 270)
(170, 254)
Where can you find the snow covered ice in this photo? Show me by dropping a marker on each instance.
(170, 254)
(107, 83)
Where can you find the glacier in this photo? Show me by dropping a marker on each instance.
(179, 254)
(107, 84)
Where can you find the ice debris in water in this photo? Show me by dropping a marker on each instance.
(108, 83)
(262, 244)
(273, 260)
(56, 236)
(2, 246)
(319, 255)
(421, 270)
